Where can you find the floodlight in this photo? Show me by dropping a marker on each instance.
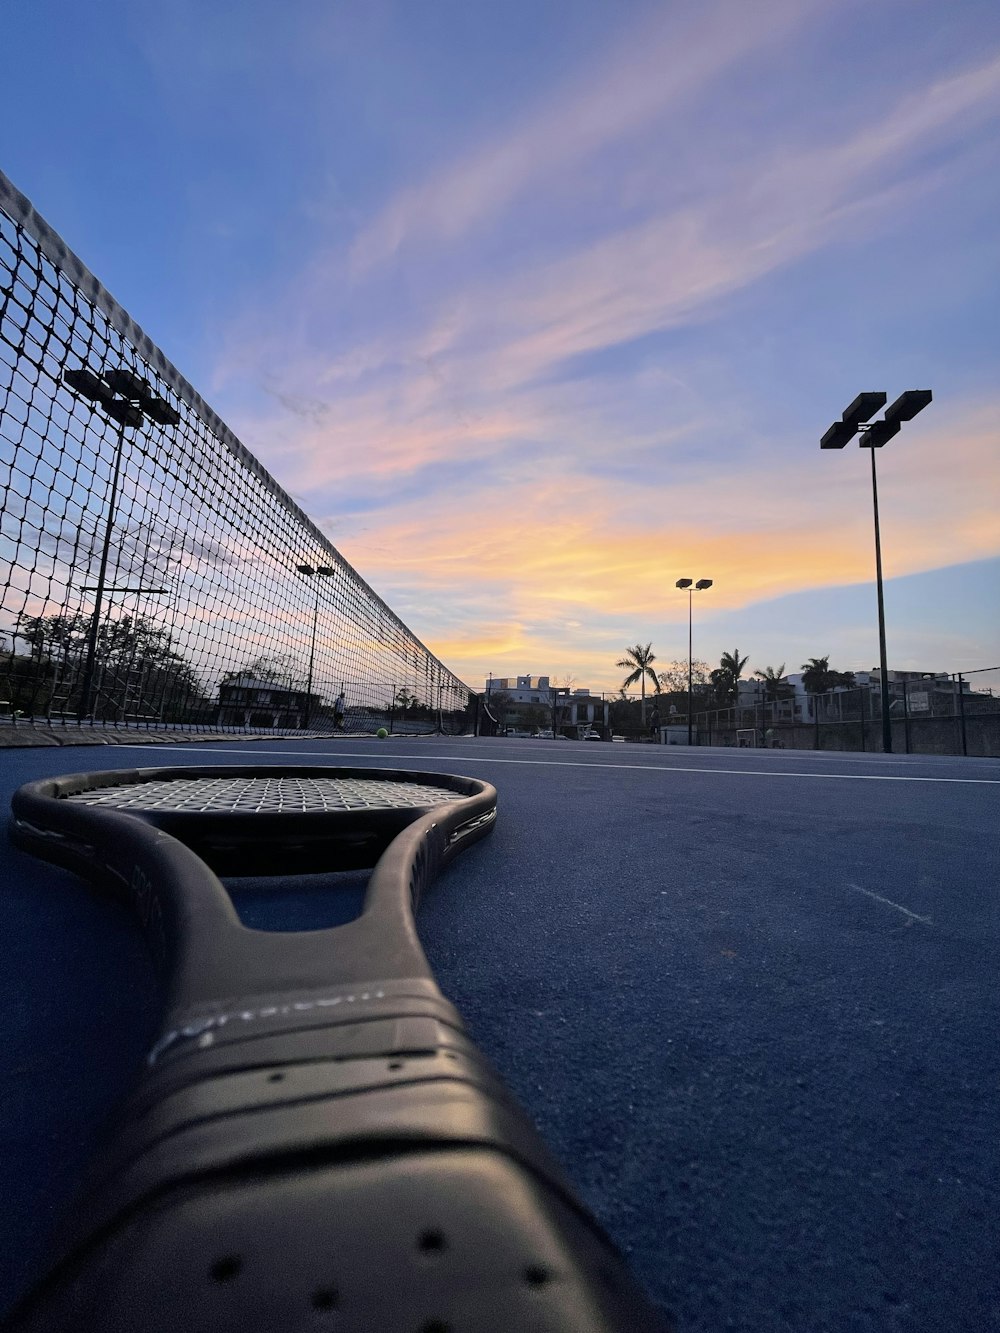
(159, 411)
(700, 586)
(122, 382)
(87, 384)
(872, 437)
(126, 414)
(839, 434)
(305, 569)
(325, 570)
(139, 391)
(127, 384)
(864, 407)
(908, 404)
(880, 432)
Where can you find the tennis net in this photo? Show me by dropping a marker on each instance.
(152, 572)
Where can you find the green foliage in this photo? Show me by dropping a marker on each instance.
(675, 677)
(535, 717)
(725, 678)
(638, 662)
(775, 685)
(278, 668)
(818, 676)
(411, 705)
(626, 716)
(499, 702)
(138, 670)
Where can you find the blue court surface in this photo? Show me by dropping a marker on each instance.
(750, 998)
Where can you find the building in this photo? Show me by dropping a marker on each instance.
(246, 701)
(532, 703)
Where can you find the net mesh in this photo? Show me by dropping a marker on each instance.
(255, 795)
(152, 573)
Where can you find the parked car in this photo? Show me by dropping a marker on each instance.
(545, 734)
(591, 736)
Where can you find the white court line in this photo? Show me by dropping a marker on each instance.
(889, 903)
(561, 763)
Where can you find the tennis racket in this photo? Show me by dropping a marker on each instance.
(315, 1141)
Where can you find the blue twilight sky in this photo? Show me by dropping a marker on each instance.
(537, 307)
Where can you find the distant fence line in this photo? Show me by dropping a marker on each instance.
(941, 723)
(927, 717)
(152, 572)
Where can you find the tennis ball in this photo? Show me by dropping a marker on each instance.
(381, 733)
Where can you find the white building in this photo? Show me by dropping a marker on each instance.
(574, 707)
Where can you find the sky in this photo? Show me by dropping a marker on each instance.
(535, 308)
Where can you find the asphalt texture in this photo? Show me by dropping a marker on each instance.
(750, 998)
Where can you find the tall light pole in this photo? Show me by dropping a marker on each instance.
(701, 586)
(129, 400)
(319, 572)
(874, 436)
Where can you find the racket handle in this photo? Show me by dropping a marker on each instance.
(398, 1186)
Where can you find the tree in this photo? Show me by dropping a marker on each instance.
(815, 675)
(625, 718)
(638, 661)
(726, 677)
(818, 677)
(536, 717)
(675, 678)
(497, 704)
(140, 673)
(278, 668)
(775, 685)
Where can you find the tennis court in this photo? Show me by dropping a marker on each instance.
(749, 999)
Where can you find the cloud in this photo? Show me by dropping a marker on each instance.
(446, 361)
(567, 562)
(674, 267)
(661, 63)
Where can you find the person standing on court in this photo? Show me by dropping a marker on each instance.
(338, 712)
(654, 723)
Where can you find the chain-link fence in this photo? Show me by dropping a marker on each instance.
(934, 715)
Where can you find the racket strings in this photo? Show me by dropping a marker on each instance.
(266, 794)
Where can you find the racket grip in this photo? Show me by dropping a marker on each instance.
(375, 1172)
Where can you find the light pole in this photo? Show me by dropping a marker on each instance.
(320, 572)
(874, 436)
(129, 400)
(701, 586)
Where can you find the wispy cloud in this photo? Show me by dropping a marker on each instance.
(569, 562)
(675, 266)
(653, 68)
(479, 337)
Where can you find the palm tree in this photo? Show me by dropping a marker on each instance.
(638, 661)
(775, 685)
(726, 676)
(816, 675)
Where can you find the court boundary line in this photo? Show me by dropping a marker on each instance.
(877, 897)
(578, 763)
